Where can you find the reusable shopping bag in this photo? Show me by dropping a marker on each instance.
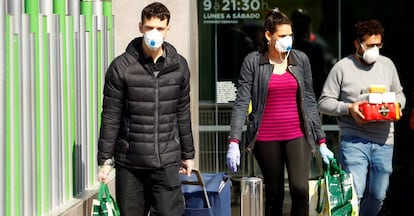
(317, 198)
(105, 204)
(333, 194)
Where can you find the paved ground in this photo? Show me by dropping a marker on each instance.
(235, 209)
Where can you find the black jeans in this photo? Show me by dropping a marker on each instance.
(141, 191)
(272, 158)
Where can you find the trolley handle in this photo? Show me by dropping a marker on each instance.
(200, 182)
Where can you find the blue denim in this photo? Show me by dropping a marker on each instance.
(371, 165)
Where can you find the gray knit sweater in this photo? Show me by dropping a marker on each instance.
(349, 78)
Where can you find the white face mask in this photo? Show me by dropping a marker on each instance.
(284, 44)
(370, 55)
(153, 39)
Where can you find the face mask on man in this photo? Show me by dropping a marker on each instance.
(284, 44)
(370, 55)
(153, 39)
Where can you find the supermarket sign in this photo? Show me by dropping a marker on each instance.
(231, 11)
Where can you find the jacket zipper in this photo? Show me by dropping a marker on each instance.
(156, 117)
(304, 114)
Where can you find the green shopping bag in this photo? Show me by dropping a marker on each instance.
(341, 196)
(318, 198)
(105, 204)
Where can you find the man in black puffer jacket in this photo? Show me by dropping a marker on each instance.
(146, 122)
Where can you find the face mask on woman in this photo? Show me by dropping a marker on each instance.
(153, 39)
(284, 44)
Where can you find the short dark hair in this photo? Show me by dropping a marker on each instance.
(155, 9)
(368, 28)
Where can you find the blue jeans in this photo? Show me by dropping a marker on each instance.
(371, 165)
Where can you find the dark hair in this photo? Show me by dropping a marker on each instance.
(274, 18)
(155, 9)
(368, 28)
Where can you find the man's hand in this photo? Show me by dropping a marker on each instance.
(186, 167)
(356, 113)
(104, 172)
(233, 156)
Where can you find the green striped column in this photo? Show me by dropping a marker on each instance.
(73, 29)
(12, 126)
(2, 107)
(101, 36)
(98, 29)
(70, 38)
(38, 27)
(107, 12)
(44, 115)
(86, 9)
(27, 115)
(59, 8)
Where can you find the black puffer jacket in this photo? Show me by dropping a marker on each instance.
(146, 120)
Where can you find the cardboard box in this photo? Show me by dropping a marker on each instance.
(389, 97)
(377, 89)
(375, 98)
(380, 112)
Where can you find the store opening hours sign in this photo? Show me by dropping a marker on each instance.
(231, 11)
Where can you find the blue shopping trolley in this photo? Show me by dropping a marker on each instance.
(206, 194)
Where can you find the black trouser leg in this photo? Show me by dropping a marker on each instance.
(157, 191)
(272, 157)
(130, 192)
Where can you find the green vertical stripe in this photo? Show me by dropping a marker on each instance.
(8, 118)
(86, 8)
(12, 131)
(16, 120)
(32, 8)
(99, 77)
(91, 114)
(38, 123)
(72, 102)
(107, 10)
(46, 111)
(59, 8)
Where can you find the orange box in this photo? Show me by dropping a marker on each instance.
(380, 112)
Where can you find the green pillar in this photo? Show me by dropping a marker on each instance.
(32, 9)
(86, 9)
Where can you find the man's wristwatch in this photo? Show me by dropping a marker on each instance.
(109, 162)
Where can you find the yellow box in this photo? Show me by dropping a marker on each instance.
(377, 89)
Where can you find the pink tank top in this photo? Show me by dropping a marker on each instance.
(280, 118)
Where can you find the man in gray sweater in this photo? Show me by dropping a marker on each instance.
(366, 147)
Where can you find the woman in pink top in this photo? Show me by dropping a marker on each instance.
(283, 126)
